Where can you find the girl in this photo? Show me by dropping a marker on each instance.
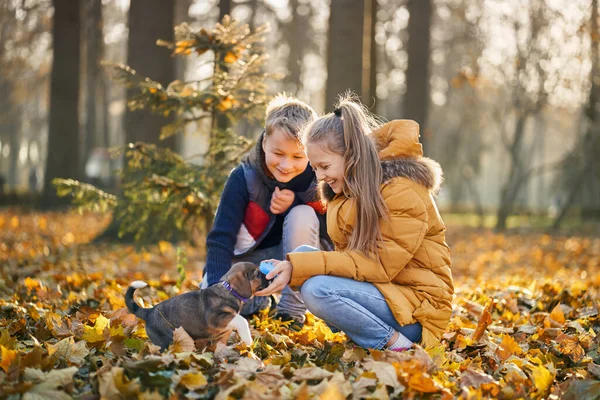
(388, 283)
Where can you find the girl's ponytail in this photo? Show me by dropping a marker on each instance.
(346, 132)
(363, 174)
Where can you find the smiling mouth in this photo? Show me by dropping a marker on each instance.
(331, 182)
(283, 172)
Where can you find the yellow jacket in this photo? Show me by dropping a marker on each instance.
(414, 269)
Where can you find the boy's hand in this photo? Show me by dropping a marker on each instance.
(281, 200)
(282, 274)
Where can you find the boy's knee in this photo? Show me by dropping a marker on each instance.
(304, 249)
(302, 215)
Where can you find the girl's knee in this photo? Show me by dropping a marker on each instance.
(313, 291)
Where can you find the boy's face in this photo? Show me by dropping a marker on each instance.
(284, 156)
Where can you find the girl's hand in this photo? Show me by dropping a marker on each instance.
(282, 274)
(281, 200)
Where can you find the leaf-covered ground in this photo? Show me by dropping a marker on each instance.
(525, 325)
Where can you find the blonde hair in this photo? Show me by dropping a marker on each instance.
(346, 132)
(289, 114)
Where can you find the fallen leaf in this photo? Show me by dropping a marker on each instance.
(51, 384)
(69, 350)
(311, 374)
(193, 381)
(182, 342)
(484, 321)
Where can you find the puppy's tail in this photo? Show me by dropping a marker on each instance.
(131, 305)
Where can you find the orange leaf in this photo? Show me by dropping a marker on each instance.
(558, 315)
(508, 347)
(484, 321)
(422, 382)
(230, 57)
(570, 347)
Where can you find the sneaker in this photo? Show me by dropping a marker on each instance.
(270, 304)
(296, 323)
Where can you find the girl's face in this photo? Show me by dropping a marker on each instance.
(328, 166)
(284, 157)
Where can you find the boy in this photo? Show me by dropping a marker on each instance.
(269, 206)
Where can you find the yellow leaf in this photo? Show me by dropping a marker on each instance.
(14, 222)
(68, 238)
(96, 333)
(164, 247)
(31, 283)
(332, 393)
(8, 358)
(6, 340)
(542, 378)
(193, 381)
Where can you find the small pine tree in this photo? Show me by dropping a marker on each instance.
(164, 197)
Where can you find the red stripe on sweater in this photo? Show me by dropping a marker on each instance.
(255, 219)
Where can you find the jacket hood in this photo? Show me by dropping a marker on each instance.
(401, 155)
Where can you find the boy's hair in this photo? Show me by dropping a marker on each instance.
(289, 114)
(346, 132)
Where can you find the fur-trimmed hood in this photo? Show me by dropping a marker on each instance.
(423, 170)
(401, 155)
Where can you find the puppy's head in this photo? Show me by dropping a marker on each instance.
(246, 278)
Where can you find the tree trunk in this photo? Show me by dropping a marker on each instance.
(371, 98)
(591, 139)
(93, 76)
(511, 188)
(297, 42)
(224, 8)
(345, 49)
(416, 101)
(62, 160)
(13, 158)
(149, 20)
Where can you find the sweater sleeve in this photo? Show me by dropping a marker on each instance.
(221, 240)
(402, 236)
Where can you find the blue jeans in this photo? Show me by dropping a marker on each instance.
(356, 308)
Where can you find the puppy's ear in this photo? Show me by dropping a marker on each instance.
(240, 282)
(251, 271)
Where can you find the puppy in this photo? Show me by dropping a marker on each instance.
(208, 315)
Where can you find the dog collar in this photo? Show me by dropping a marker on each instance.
(227, 286)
